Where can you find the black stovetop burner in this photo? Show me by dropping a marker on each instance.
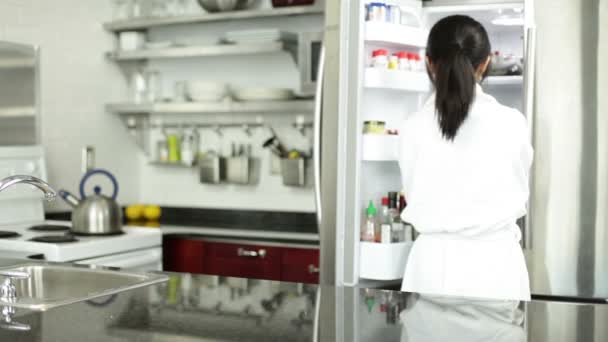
(55, 238)
(5, 234)
(49, 228)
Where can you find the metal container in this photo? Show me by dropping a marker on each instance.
(212, 169)
(296, 172)
(243, 170)
(95, 214)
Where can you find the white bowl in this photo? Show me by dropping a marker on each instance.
(206, 91)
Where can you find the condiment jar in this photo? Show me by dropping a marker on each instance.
(393, 62)
(374, 127)
(404, 62)
(380, 58)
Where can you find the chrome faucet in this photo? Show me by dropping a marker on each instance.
(49, 193)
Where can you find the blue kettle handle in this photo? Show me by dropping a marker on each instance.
(98, 188)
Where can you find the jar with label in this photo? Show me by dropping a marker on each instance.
(374, 127)
(380, 58)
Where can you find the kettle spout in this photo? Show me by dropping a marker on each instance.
(70, 199)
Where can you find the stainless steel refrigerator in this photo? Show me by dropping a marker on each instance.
(563, 44)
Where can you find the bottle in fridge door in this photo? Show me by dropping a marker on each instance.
(370, 224)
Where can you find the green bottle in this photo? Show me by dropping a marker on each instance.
(370, 226)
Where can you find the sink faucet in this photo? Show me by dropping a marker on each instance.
(49, 193)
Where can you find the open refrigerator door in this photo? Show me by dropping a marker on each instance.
(387, 81)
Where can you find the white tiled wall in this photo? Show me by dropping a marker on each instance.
(76, 80)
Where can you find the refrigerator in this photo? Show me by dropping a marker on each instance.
(355, 168)
(564, 235)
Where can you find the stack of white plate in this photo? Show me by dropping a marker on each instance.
(253, 36)
(262, 94)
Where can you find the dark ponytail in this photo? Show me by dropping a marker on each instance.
(457, 46)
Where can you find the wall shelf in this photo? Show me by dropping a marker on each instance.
(197, 51)
(393, 258)
(397, 79)
(393, 35)
(204, 17)
(380, 147)
(292, 106)
(168, 164)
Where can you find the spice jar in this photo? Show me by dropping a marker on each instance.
(380, 58)
(404, 62)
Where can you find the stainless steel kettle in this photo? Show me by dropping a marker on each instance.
(95, 214)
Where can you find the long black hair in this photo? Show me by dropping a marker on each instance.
(457, 46)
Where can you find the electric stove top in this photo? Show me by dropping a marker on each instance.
(58, 244)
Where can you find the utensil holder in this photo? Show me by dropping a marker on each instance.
(296, 172)
(242, 170)
(212, 169)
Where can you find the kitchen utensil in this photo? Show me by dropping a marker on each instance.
(274, 144)
(212, 168)
(95, 214)
(224, 5)
(284, 3)
(262, 94)
(204, 91)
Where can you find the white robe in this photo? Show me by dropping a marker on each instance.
(464, 197)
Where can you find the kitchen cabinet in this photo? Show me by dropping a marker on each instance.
(300, 265)
(183, 255)
(243, 259)
(240, 260)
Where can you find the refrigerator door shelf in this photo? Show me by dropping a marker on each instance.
(393, 35)
(380, 147)
(397, 79)
(383, 261)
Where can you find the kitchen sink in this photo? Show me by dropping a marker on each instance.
(49, 285)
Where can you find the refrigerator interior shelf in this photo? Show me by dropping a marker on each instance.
(197, 51)
(395, 35)
(380, 147)
(297, 106)
(397, 79)
(383, 261)
(495, 81)
(203, 17)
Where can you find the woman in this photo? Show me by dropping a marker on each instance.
(464, 161)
